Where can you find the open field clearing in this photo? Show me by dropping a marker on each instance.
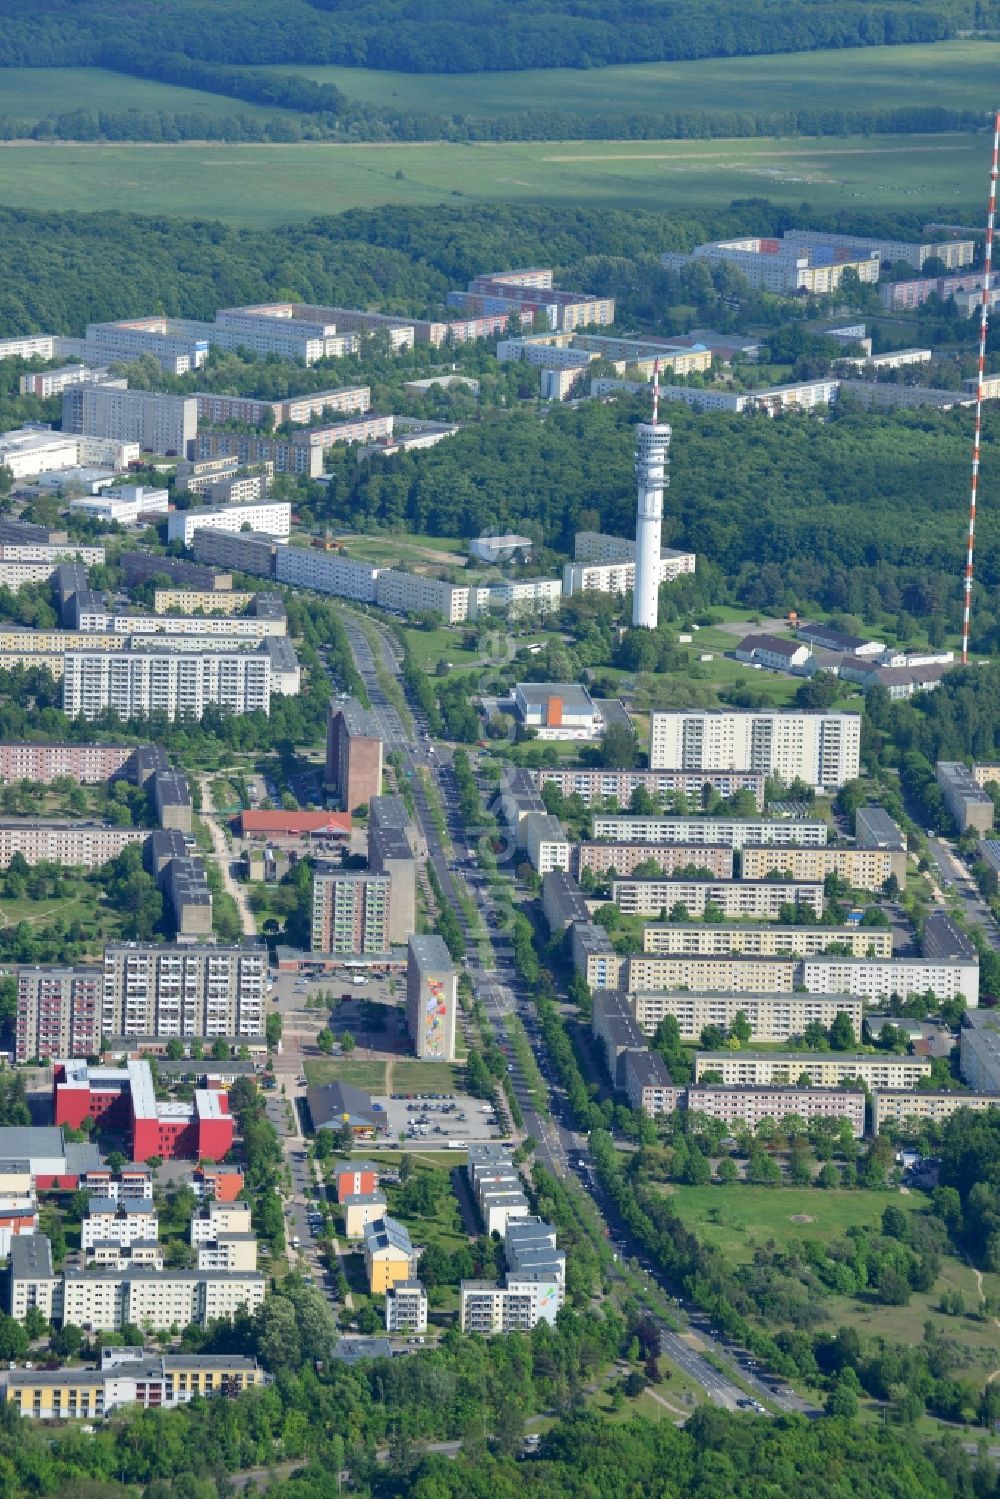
(959, 75)
(266, 185)
(29, 94)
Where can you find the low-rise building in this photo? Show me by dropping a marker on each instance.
(774, 653)
(557, 710)
(126, 1377)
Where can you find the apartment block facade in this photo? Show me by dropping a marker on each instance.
(158, 423)
(156, 679)
(270, 517)
(78, 845)
(730, 832)
(773, 1018)
(737, 975)
(822, 749)
(197, 991)
(354, 751)
(431, 998)
(735, 898)
(58, 1013)
(862, 868)
(605, 785)
(749, 1105)
(896, 1106)
(674, 937)
(624, 858)
(743, 1069)
(877, 979)
(350, 912)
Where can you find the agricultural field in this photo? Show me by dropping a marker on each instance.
(30, 94)
(264, 185)
(960, 74)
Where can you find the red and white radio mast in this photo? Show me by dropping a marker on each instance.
(984, 312)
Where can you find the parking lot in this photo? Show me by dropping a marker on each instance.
(436, 1120)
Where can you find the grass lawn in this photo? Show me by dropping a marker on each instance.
(961, 74)
(738, 1218)
(409, 1075)
(361, 1072)
(262, 185)
(431, 646)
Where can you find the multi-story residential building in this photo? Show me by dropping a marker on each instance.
(411, 593)
(105, 1300)
(606, 785)
(189, 990)
(780, 266)
(389, 1256)
(619, 577)
(896, 1106)
(350, 911)
(158, 423)
(251, 627)
(244, 551)
(141, 567)
(326, 572)
(58, 1013)
(766, 899)
(954, 253)
(745, 1069)
(772, 1018)
(563, 901)
(545, 842)
(158, 679)
(253, 413)
(764, 941)
(943, 938)
(406, 1307)
(431, 998)
(669, 858)
(390, 853)
(648, 1084)
(82, 845)
(968, 803)
(862, 868)
(822, 749)
(518, 1305)
(31, 1280)
(269, 517)
(30, 345)
(302, 453)
(220, 1220)
(46, 383)
(739, 975)
(877, 979)
(749, 1105)
(354, 751)
(205, 601)
(979, 1050)
(108, 1221)
(729, 832)
(594, 956)
(127, 1376)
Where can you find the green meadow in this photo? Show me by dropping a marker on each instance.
(265, 185)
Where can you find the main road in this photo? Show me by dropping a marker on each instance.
(560, 1148)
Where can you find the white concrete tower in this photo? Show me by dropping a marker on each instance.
(652, 442)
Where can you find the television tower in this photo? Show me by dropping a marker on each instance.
(651, 444)
(984, 312)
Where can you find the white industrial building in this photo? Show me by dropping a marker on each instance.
(558, 710)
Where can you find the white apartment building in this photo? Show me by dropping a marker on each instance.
(729, 832)
(406, 1307)
(105, 1300)
(744, 1069)
(822, 749)
(28, 452)
(110, 1222)
(269, 517)
(880, 978)
(546, 844)
(764, 941)
(178, 345)
(183, 990)
(897, 1106)
(773, 1018)
(780, 266)
(220, 1220)
(45, 383)
(156, 679)
(28, 345)
(307, 567)
(645, 972)
(760, 899)
(74, 845)
(122, 507)
(231, 1252)
(227, 627)
(955, 253)
(619, 577)
(517, 1306)
(527, 595)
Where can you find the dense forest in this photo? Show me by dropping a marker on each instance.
(429, 36)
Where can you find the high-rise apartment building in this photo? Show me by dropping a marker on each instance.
(159, 679)
(183, 991)
(822, 749)
(350, 912)
(431, 997)
(354, 751)
(158, 423)
(58, 1012)
(390, 852)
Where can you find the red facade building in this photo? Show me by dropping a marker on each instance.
(124, 1098)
